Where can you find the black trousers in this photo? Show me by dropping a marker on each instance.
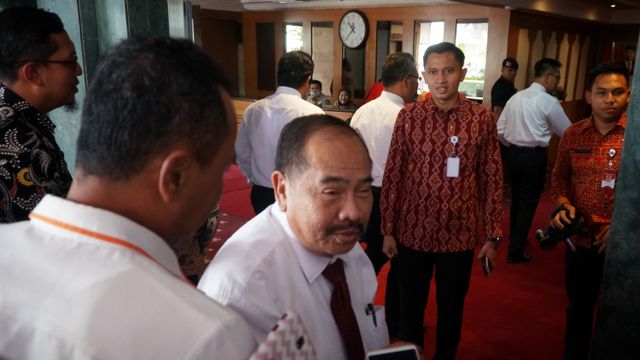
(583, 277)
(527, 168)
(261, 198)
(374, 239)
(452, 274)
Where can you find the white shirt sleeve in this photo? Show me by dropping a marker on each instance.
(244, 149)
(558, 120)
(502, 125)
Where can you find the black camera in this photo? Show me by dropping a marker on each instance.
(549, 239)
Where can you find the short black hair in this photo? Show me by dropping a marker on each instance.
(611, 68)
(317, 82)
(25, 36)
(290, 153)
(396, 66)
(147, 95)
(294, 68)
(444, 47)
(543, 66)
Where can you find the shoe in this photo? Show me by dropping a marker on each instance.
(518, 259)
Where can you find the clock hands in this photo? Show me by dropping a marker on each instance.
(352, 30)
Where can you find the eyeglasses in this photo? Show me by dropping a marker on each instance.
(70, 63)
(419, 78)
(555, 76)
(63, 62)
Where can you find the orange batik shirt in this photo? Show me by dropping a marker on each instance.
(585, 175)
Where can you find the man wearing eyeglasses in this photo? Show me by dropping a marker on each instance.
(525, 126)
(38, 73)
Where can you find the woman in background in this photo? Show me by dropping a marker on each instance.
(344, 100)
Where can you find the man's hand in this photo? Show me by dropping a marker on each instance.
(389, 246)
(564, 217)
(602, 239)
(489, 248)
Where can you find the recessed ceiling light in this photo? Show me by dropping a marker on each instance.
(613, 5)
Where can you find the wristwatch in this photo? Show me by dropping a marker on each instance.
(496, 240)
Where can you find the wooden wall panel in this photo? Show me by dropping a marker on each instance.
(407, 15)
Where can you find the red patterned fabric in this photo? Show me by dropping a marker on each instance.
(421, 207)
(583, 156)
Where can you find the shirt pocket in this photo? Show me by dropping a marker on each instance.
(375, 336)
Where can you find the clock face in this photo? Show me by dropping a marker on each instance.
(354, 29)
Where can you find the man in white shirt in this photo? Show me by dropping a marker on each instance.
(263, 121)
(95, 276)
(525, 126)
(278, 261)
(374, 121)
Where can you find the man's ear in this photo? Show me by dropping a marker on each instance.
(30, 72)
(464, 74)
(587, 96)
(279, 183)
(173, 176)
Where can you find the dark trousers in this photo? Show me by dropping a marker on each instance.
(583, 277)
(261, 198)
(374, 239)
(452, 274)
(373, 235)
(528, 169)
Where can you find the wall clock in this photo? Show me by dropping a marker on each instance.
(354, 29)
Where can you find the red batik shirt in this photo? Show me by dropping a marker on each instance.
(423, 208)
(584, 155)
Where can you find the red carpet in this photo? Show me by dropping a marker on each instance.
(516, 313)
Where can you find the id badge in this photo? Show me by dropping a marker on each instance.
(608, 179)
(453, 167)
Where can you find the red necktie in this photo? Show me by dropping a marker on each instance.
(343, 312)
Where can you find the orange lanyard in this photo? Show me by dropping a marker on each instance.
(103, 237)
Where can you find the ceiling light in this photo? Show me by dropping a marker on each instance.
(613, 5)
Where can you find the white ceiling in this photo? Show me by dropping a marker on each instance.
(589, 10)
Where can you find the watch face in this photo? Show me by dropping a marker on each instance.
(353, 29)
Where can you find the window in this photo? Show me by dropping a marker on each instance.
(292, 37)
(388, 41)
(427, 34)
(471, 38)
(322, 54)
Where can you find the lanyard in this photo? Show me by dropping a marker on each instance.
(103, 237)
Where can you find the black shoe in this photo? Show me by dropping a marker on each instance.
(516, 259)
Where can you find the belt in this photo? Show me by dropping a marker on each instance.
(513, 146)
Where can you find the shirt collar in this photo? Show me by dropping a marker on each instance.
(9, 98)
(82, 221)
(431, 105)
(396, 99)
(591, 124)
(312, 265)
(288, 90)
(537, 86)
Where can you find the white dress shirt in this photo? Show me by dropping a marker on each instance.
(260, 130)
(263, 271)
(67, 292)
(375, 121)
(530, 117)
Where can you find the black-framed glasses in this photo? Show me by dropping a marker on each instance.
(70, 63)
(555, 76)
(63, 62)
(417, 77)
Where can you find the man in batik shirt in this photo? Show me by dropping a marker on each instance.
(443, 169)
(38, 73)
(583, 182)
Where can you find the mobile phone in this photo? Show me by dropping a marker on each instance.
(404, 352)
(486, 265)
(288, 340)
